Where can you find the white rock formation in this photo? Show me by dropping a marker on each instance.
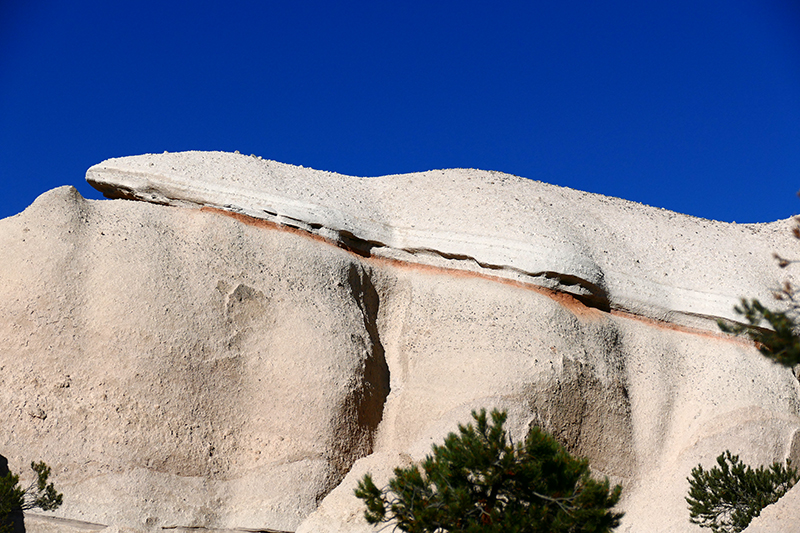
(241, 367)
(608, 251)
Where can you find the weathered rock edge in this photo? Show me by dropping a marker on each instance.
(609, 253)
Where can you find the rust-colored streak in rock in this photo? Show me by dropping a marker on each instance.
(568, 301)
(661, 324)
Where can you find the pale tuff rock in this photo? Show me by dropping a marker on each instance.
(608, 251)
(194, 371)
(780, 517)
(187, 368)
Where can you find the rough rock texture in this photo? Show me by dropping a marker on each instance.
(609, 252)
(179, 368)
(780, 517)
(182, 367)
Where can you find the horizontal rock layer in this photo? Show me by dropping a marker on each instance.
(611, 253)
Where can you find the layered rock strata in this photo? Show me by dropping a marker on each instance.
(610, 253)
(237, 350)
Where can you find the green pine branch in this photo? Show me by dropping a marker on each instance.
(728, 496)
(779, 342)
(479, 481)
(39, 495)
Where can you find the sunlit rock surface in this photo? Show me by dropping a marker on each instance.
(609, 252)
(237, 357)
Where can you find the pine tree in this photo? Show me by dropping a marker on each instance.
(727, 497)
(14, 499)
(479, 481)
(11, 499)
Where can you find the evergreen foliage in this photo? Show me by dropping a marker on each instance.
(781, 343)
(11, 500)
(40, 494)
(479, 481)
(727, 497)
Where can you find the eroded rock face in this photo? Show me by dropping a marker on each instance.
(185, 365)
(179, 368)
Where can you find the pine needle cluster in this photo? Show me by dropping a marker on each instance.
(479, 481)
(780, 340)
(781, 343)
(728, 496)
(39, 495)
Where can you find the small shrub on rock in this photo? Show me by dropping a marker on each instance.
(781, 341)
(728, 496)
(14, 499)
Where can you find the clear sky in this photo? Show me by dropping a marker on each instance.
(692, 105)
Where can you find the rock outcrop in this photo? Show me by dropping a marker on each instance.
(238, 349)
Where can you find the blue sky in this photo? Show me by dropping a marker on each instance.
(689, 105)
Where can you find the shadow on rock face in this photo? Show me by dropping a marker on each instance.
(375, 376)
(589, 417)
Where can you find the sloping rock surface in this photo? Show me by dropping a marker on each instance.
(238, 356)
(780, 517)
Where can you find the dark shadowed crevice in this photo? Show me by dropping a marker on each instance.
(590, 294)
(375, 384)
(356, 245)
